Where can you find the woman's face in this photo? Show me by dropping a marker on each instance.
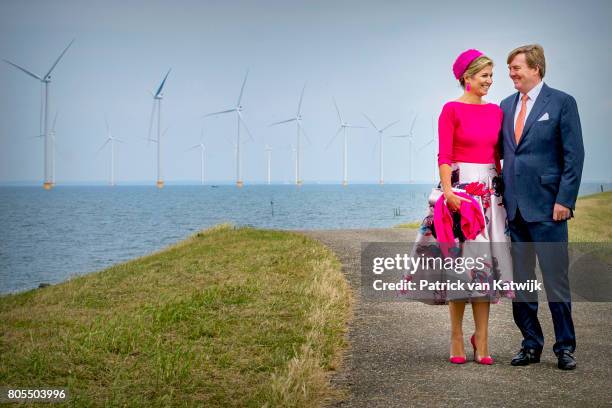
(481, 81)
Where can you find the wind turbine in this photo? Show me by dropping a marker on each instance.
(410, 137)
(238, 109)
(343, 128)
(432, 140)
(380, 143)
(110, 139)
(298, 121)
(268, 150)
(202, 148)
(46, 80)
(157, 100)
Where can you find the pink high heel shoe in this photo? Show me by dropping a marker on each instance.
(457, 360)
(483, 360)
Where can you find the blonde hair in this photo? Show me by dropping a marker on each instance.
(534, 55)
(475, 67)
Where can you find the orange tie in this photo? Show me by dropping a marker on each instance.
(520, 120)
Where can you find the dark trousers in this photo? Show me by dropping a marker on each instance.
(547, 240)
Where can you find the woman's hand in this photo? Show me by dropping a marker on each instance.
(453, 201)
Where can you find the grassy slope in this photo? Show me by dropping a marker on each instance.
(238, 317)
(592, 220)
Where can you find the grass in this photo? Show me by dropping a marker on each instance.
(228, 317)
(410, 225)
(592, 219)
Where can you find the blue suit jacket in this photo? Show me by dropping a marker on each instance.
(546, 166)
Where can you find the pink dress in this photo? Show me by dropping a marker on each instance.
(468, 139)
(469, 133)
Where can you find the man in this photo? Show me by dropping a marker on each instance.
(543, 156)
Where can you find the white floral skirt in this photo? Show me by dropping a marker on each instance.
(487, 276)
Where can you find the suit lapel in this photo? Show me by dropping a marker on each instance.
(536, 110)
(510, 120)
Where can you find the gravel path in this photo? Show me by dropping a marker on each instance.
(397, 355)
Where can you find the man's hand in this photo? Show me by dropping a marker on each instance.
(561, 213)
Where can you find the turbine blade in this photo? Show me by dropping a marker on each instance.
(301, 98)
(372, 122)
(151, 121)
(242, 88)
(282, 121)
(337, 110)
(401, 136)
(102, 147)
(58, 59)
(246, 127)
(389, 125)
(219, 113)
(301, 128)
(412, 126)
(161, 86)
(228, 140)
(107, 125)
(33, 75)
(356, 127)
(54, 121)
(375, 148)
(119, 140)
(426, 144)
(334, 138)
(42, 106)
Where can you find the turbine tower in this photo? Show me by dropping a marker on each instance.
(238, 109)
(268, 150)
(110, 139)
(46, 81)
(380, 132)
(299, 130)
(410, 137)
(156, 109)
(202, 148)
(344, 126)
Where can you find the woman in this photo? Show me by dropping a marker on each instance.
(468, 161)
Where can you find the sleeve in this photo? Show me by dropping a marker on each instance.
(573, 154)
(499, 147)
(446, 129)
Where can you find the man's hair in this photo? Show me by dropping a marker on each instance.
(534, 55)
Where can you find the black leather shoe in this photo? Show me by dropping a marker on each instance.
(526, 357)
(566, 360)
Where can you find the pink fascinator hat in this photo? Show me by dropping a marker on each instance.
(464, 60)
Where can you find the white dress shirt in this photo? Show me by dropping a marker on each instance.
(532, 96)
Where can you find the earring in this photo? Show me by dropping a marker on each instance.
(468, 87)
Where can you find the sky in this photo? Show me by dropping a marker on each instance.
(388, 59)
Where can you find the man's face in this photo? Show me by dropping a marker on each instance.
(524, 78)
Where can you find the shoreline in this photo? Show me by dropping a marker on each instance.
(574, 230)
